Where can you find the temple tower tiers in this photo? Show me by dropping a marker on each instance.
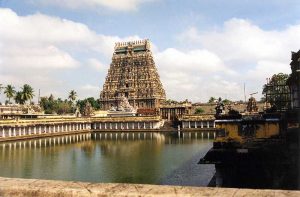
(132, 74)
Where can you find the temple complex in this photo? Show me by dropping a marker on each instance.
(132, 74)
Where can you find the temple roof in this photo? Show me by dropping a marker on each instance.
(132, 46)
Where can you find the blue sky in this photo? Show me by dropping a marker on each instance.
(202, 48)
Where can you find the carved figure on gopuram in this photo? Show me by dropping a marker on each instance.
(132, 74)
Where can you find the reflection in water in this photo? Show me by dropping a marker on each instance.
(108, 157)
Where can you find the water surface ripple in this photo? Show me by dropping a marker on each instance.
(152, 158)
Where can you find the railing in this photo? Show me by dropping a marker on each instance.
(36, 187)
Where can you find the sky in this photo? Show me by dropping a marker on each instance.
(201, 48)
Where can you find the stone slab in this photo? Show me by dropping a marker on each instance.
(36, 187)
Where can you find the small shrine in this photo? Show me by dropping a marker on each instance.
(123, 109)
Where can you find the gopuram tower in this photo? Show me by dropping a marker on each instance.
(132, 74)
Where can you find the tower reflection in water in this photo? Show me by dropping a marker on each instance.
(136, 157)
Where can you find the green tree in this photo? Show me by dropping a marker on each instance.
(95, 104)
(277, 91)
(226, 101)
(9, 92)
(212, 99)
(27, 93)
(50, 105)
(19, 98)
(170, 101)
(72, 96)
(51, 97)
(199, 110)
(1, 87)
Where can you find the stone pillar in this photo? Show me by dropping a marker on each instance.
(138, 125)
(34, 130)
(105, 126)
(14, 131)
(17, 131)
(76, 126)
(214, 124)
(110, 125)
(183, 124)
(24, 130)
(196, 124)
(116, 125)
(40, 129)
(207, 124)
(202, 124)
(132, 125)
(144, 125)
(127, 126)
(3, 132)
(54, 128)
(189, 124)
(100, 125)
(9, 132)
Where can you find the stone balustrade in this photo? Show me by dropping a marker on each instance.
(142, 125)
(36, 127)
(205, 121)
(59, 126)
(203, 124)
(15, 130)
(49, 188)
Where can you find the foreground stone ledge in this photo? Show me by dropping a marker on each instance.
(36, 187)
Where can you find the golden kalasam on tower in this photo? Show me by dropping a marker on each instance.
(132, 74)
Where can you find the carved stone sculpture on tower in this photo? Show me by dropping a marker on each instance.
(133, 75)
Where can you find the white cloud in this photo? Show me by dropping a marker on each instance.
(89, 90)
(96, 64)
(50, 52)
(193, 74)
(190, 35)
(121, 5)
(48, 57)
(249, 54)
(194, 60)
(57, 55)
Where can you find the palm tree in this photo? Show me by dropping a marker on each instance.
(27, 93)
(72, 95)
(1, 87)
(212, 99)
(18, 98)
(9, 92)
